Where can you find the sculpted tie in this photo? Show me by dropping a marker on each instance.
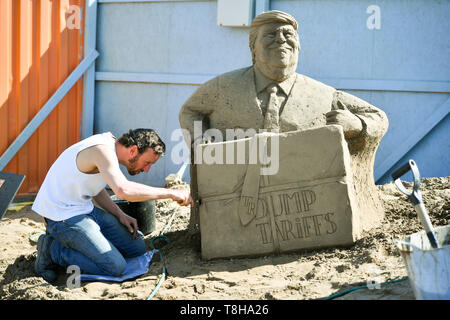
(272, 118)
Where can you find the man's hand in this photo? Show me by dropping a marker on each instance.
(130, 223)
(182, 197)
(104, 201)
(351, 124)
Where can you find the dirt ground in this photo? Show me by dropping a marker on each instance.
(296, 276)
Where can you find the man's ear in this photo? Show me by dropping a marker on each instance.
(133, 150)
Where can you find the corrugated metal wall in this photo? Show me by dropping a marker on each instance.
(40, 45)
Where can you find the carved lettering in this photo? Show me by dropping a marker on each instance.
(284, 204)
(276, 212)
(317, 225)
(295, 202)
(262, 210)
(306, 226)
(249, 203)
(286, 226)
(289, 226)
(333, 225)
(309, 197)
(280, 233)
(298, 203)
(299, 228)
(263, 231)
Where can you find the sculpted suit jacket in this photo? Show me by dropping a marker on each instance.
(229, 101)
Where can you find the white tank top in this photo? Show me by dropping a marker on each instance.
(66, 191)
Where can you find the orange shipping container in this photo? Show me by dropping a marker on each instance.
(41, 43)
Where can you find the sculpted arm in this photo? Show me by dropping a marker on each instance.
(360, 119)
(106, 162)
(198, 107)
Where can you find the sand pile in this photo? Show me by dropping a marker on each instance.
(302, 275)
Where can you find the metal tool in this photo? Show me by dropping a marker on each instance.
(416, 198)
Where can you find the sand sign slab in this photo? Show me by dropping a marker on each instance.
(289, 191)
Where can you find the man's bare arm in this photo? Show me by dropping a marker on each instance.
(106, 162)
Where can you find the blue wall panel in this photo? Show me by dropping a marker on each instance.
(406, 112)
(121, 106)
(413, 42)
(154, 54)
(176, 37)
(431, 154)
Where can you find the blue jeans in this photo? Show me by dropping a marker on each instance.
(97, 243)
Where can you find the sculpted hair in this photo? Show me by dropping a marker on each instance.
(268, 17)
(143, 139)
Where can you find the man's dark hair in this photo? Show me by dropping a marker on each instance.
(143, 139)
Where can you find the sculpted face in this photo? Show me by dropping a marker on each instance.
(276, 50)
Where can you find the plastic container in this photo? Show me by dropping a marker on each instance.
(143, 212)
(428, 268)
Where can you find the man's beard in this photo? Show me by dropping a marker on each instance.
(131, 163)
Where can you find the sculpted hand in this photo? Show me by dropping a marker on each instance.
(182, 197)
(130, 223)
(351, 124)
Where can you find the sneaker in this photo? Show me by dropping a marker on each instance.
(43, 260)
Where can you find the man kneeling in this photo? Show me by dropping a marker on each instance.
(78, 233)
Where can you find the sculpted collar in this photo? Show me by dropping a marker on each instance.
(261, 82)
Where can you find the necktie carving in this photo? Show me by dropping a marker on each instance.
(272, 118)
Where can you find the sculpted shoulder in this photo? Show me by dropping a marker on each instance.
(315, 84)
(246, 74)
(229, 83)
(221, 80)
(233, 77)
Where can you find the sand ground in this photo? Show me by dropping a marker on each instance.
(295, 276)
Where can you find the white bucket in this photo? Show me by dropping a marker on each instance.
(428, 268)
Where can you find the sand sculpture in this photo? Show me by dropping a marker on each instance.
(271, 95)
